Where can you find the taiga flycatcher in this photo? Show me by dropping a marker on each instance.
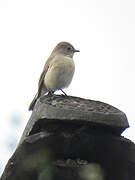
(57, 72)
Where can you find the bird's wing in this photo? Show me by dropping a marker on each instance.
(41, 84)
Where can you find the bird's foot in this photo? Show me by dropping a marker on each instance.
(64, 94)
(50, 93)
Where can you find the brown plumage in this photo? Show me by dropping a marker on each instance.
(57, 72)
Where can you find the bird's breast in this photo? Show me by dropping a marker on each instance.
(60, 73)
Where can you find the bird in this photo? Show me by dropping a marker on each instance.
(58, 71)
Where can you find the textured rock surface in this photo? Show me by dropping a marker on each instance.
(62, 155)
(72, 138)
(62, 108)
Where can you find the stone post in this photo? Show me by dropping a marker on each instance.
(70, 138)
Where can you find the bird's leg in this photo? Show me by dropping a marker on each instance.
(64, 92)
(51, 93)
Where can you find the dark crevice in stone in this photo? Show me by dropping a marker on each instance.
(56, 126)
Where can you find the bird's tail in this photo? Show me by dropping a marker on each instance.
(32, 104)
(40, 93)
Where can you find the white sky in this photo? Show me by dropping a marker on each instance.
(104, 31)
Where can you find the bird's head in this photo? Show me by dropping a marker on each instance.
(65, 49)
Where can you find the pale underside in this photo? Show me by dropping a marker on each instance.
(60, 73)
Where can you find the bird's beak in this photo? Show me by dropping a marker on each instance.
(75, 50)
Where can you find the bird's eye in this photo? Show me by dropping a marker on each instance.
(69, 48)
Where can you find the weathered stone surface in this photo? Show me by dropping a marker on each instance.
(67, 137)
(62, 108)
(61, 154)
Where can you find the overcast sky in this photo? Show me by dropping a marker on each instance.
(103, 30)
